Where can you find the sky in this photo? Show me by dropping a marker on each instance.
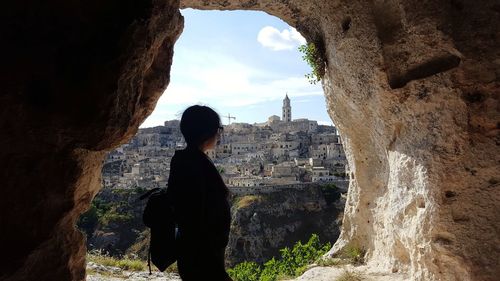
(240, 63)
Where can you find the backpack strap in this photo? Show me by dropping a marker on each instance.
(149, 257)
(147, 194)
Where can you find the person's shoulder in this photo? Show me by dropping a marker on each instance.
(185, 156)
(177, 158)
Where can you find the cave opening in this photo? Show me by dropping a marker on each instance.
(401, 82)
(242, 63)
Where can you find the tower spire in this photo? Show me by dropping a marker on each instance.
(287, 109)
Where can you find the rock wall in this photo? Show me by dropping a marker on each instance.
(413, 87)
(78, 78)
(264, 223)
(114, 223)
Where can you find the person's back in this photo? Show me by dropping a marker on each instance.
(201, 208)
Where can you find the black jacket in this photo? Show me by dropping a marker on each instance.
(200, 197)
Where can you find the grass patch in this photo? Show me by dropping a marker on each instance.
(248, 200)
(330, 262)
(349, 276)
(125, 263)
(351, 254)
(172, 268)
(140, 246)
(93, 272)
(354, 254)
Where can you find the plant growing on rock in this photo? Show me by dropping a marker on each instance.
(247, 200)
(311, 56)
(293, 262)
(246, 271)
(353, 254)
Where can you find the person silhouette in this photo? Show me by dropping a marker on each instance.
(201, 207)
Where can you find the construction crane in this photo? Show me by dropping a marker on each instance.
(229, 117)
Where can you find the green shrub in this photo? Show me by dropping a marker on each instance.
(271, 270)
(328, 187)
(124, 263)
(139, 190)
(114, 216)
(245, 271)
(291, 263)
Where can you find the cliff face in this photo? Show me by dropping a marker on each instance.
(263, 224)
(260, 226)
(114, 224)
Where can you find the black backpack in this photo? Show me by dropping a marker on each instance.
(158, 216)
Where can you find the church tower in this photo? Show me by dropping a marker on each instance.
(287, 110)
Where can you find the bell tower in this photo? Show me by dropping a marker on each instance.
(287, 110)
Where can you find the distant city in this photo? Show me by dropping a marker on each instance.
(280, 151)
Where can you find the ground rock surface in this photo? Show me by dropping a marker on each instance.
(109, 273)
(335, 273)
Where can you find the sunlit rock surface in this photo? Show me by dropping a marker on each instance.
(413, 87)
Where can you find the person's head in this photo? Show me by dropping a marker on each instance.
(200, 126)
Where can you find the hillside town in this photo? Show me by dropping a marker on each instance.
(280, 151)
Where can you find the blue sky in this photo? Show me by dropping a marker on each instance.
(240, 63)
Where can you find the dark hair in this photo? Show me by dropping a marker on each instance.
(198, 124)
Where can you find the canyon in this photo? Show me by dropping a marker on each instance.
(262, 222)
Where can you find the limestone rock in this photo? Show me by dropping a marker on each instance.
(412, 89)
(334, 273)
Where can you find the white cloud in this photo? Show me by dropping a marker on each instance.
(236, 89)
(287, 39)
(224, 82)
